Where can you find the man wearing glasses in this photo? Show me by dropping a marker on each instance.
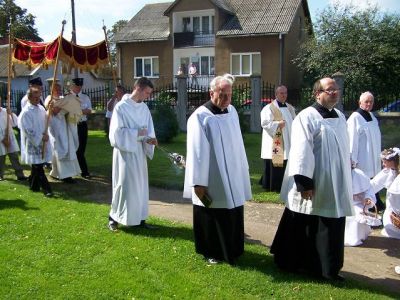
(316, 189)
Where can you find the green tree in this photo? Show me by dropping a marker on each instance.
(110, 36)
(362, 44)
(23, 22)
(106, 71)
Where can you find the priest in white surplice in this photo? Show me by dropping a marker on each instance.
(217, 175)
(276, 121)
(316, 189)
(64, 135)
(365, 140)
(133, 138)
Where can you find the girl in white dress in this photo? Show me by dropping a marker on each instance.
(389, 178)
(358, 226)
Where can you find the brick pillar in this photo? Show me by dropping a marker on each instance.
(339, 78)
(255, 108)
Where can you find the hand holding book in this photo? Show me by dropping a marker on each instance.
(201, 192)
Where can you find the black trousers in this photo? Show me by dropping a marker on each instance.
(310, 243)
(272, 178)
(80, 153)
(38, 179)
(219, 232)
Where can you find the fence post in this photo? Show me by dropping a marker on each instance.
(339, 78)
(255, 107)
(181, 101)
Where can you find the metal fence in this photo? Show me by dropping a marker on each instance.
(198, 94)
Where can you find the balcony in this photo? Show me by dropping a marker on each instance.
(194, 39)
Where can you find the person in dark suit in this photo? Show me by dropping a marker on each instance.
(86, 106)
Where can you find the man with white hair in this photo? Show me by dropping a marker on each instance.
(217, 175)
(276, 121)
(365, 139)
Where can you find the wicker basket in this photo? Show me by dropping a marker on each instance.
(371, 219)
(395, 218)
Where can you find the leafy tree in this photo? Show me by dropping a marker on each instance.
(23, 22)
(362, 44)
(106, 71)
(110, 36)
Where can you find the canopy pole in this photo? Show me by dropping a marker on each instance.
(109, 57)
(6, 140)
(53, 85)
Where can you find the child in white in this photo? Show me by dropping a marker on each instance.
(389, 178)
(8, 144)
(358, 226)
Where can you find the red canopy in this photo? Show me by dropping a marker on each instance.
(85, 58)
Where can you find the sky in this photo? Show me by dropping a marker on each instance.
(90, 14)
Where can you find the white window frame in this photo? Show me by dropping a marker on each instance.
(241, 54)
(143, 58)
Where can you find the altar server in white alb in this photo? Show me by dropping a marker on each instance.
(276, 121)
(316, 189)
(217, 175)
(35, 83)
(32, 123)
(133, 138)
(365, 139)
(9, 145)
(65, 113)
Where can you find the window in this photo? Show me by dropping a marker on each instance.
(196, 25)
(147, 66)
(201, 24)
(205, 22)
(186, 24)
(245, 64)
(207, 65)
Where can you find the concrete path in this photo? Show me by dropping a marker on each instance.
(373, 262)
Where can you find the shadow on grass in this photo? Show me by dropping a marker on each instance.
(391, 246)
(389, 284)
(263, 263)
(16, 203)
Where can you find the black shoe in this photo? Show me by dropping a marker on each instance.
(113, 226)
(212, 261)
(22, 178)
(69, 180)
(86, 176)
(143, 224)
(1, 178)
(337, 278)
(48, 194)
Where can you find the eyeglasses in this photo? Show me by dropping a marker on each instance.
(330, 92)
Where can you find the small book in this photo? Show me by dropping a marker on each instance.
(206, 200)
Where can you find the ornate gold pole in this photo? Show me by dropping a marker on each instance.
(6, 140)
(53, 84)
(109, 57)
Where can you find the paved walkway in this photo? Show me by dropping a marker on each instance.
(373, 262)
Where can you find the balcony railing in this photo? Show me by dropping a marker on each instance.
(193, 39)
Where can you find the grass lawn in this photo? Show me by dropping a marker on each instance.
(61, 247)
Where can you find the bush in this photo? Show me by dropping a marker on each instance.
(166, 124)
